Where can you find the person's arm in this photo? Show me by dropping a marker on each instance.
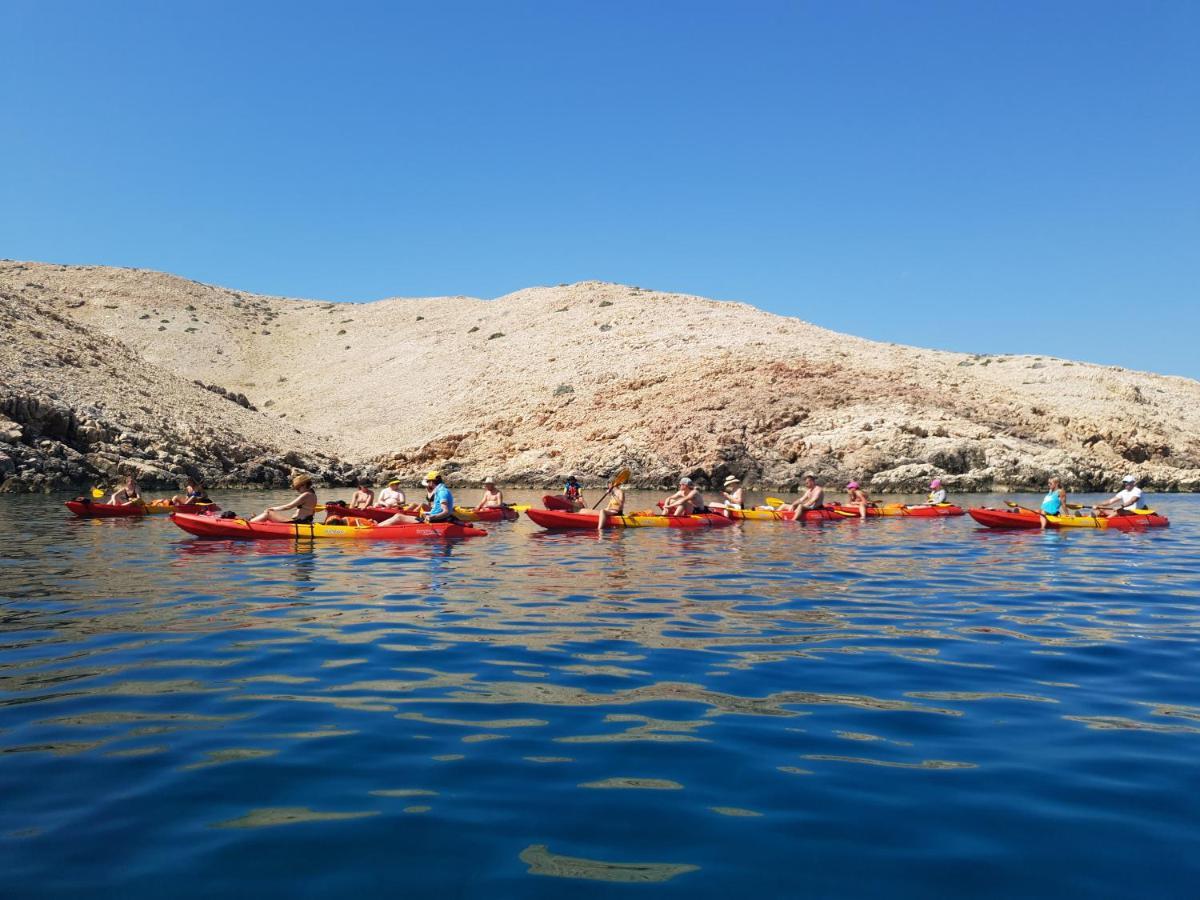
(1109, 503)
(294, 504)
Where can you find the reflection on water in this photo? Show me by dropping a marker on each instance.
(902, 706)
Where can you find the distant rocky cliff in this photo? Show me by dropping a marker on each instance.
(106, 370)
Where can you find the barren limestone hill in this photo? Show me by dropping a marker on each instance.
(592, 376)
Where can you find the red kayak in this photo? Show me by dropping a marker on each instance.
(558, 502)
(216, 527)
(899, 510)
(1027, 519)
(554, 518)
(89, 509)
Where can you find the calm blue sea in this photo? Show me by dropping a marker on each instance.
(901, 708)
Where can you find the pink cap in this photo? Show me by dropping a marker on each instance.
(853, 485)
(936, 483)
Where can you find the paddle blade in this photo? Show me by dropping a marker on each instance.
(97, 493)
(775, 501)
(621, 477)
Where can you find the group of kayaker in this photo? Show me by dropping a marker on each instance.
(687, 500)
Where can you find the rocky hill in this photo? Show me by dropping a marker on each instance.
(585, 377)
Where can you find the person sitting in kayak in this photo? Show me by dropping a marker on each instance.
(391, 497)
(300, 511)
(614, 507)
(812, 498)
(733, 493)
(937, 493)
(1124, 502)
(363, 495)
(127, 494)
(573, 491)
(493, 497)
(440, 500)
(857, 497)
(1054, 503)
(193, 493)
(686, 501)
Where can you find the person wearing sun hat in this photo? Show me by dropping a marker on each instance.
(937, 493)
(391, 497)
(493, 497)
(857, 497)
(441, 501)
(1125, 501)
(734, 494)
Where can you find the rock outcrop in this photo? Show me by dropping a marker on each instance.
(110, 370)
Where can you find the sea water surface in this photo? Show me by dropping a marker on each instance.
(900, 708)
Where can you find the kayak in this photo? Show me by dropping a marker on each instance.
(899, 509)
(766, 514)
(216, 527)
(558, 502)
(89, 509)
(464, 513)
(1020, 518)
(555, 518)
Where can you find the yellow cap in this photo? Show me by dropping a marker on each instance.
(432, 476)
(394, 481)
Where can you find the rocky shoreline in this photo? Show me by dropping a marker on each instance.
(108, 371)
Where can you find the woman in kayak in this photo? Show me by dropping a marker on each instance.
(127, 494)
(493, 497)
(391, 497)
(573, 491)
(193, 492)
(937, 493)
(812, 498)
(857, 497)
(733, 493)
(300, 511)
(686, 501)
(1054, 503)
(614, 507)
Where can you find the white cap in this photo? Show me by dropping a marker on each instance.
(1129, 479)
(491, 479)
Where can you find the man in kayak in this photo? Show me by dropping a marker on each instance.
(391, 497)
(686, 501)
(127, 494)
(857, 497)
(1124, 502)
(812, 498)
(1054, 503)
(363, 495)
(937, 493)
(300, 511)
(493, 497)
(573, 491)
(441, 501)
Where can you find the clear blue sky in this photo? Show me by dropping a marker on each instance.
(978, 176)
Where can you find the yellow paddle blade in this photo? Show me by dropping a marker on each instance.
(621, 477)
(775, 501)
(97, 493)
(518, 507)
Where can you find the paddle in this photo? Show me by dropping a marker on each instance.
(97, 493)
(621, 478)
(775, 501)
